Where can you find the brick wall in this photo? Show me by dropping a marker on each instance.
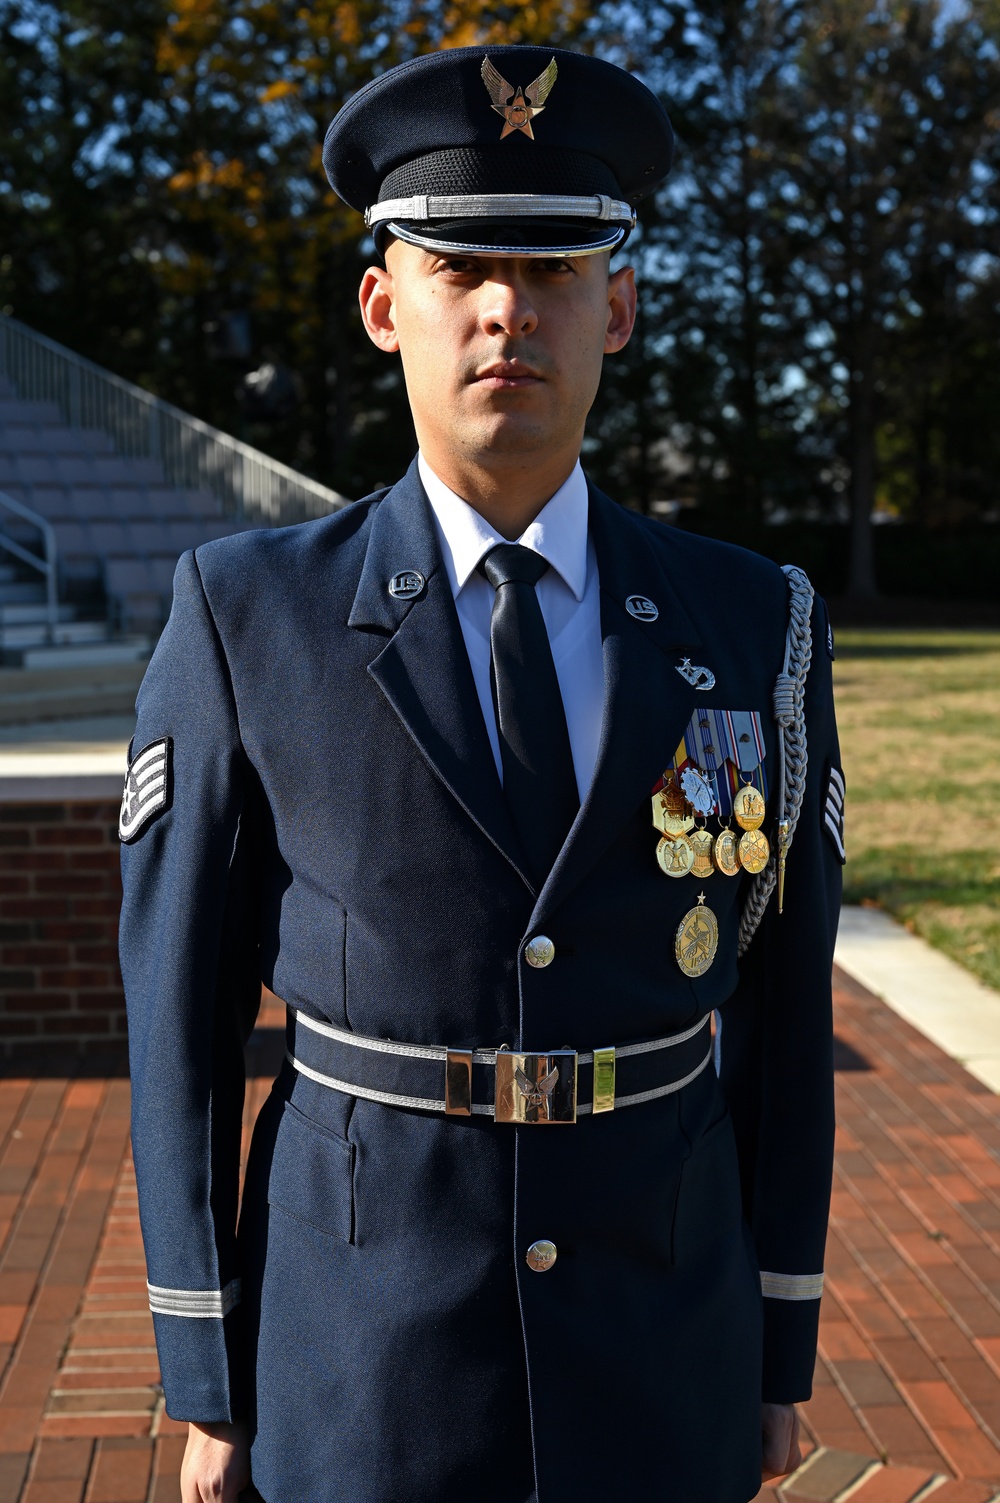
(60, 893)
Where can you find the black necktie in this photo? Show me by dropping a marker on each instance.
(538, 778)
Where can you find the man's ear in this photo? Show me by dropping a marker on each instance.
(621, 310)
(376, 296)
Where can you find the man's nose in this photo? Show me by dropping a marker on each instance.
(507, 309)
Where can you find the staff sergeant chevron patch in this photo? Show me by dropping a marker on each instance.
(833, 810)
(147, 788)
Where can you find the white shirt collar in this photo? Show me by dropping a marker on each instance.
(558, 533)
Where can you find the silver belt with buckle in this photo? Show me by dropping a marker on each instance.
(555, 1086)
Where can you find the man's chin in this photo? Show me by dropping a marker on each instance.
(511, 436)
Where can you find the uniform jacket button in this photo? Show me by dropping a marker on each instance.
(540, 951)
(541, 1256)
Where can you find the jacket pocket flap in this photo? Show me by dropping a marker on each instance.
(312, 1175)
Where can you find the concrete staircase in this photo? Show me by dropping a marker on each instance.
(106, 485)
(28, 641)
(119, 527)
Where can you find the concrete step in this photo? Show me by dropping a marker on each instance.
(41, 414)
(21, 592)
(23, 615)
(83, 690)
(67, 634)
(87, 654)
(22, 435)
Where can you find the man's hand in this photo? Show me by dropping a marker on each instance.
(779, 1424)
(216, 1465)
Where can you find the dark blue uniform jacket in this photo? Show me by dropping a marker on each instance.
(335, 828)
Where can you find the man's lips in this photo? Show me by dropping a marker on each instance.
(507, 375)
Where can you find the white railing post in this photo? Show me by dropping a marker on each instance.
(50, 567)
(51, 583)
(73, 414)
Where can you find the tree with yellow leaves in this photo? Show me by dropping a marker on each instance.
(194, 177)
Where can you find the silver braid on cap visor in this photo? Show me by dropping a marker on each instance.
(423, 207)
(451, 247)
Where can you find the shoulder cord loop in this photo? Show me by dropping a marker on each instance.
(789, 714)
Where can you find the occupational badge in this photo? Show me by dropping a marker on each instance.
(518, 106)
(697, 939)
(147, 788)
(698, 678)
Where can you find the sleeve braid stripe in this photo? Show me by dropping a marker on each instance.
(196, 1304)
(791, 1286)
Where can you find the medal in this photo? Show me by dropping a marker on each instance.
(754, 851)
(676, 857)
(697, 939)
(726, 853)
(698, 790)
(748, 808)
(701, 842)
(671, 813)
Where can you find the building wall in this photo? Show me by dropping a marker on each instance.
(60, 894)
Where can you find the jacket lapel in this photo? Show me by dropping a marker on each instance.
(647, 703)
(423, 669)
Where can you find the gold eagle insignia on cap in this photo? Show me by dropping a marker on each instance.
(518, 106)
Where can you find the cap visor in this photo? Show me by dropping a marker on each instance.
(521, 237)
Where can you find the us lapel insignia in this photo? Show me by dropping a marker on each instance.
(642, 608)
(518, 106)
(698, 678)
(147, 788)
(407, 584)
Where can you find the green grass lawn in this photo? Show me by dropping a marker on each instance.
(919, 715)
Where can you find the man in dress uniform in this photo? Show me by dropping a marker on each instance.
(506, 792)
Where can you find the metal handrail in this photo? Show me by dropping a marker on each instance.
(192, 453)
(47, 565)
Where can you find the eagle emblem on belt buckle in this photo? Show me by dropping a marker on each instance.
(538, 1092)
(535, 1088)
(518, 106)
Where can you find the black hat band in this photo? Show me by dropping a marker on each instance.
(423, 207)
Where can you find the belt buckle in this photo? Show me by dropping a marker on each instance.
(536, 1088)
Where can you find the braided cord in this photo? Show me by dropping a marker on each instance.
(789, 715)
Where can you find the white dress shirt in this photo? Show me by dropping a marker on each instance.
(568, 593)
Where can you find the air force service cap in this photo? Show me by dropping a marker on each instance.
(515, 151)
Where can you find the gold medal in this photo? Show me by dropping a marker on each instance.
(676, 857)
(726, 853)
(672, 815)
(748, 808)
(754, 851)
(697, 939)
(701, 843)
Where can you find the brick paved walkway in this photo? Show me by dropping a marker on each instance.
(907, 1397)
